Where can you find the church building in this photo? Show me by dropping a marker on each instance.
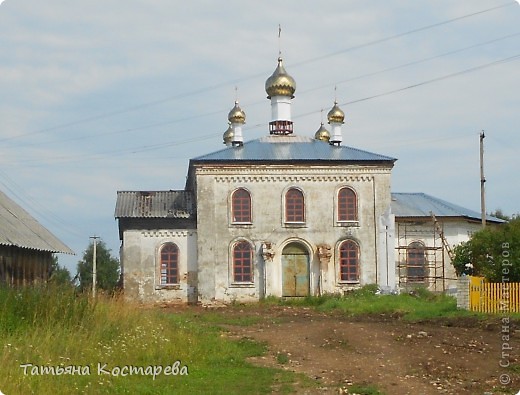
(283, 215)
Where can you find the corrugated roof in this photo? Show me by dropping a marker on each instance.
(154, 204)
(421, 205)
(291, 148)
(19, 229)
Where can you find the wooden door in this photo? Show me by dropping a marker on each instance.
(295, 275)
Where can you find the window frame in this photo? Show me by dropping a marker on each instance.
(169, 262)
(248, 209)
(340, 208)
(412, 263)
(348, 264)
(289, 210)
(238, 278)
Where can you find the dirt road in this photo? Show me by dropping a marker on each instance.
(440, 357)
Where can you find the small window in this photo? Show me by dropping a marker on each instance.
(169, 264)
(241, 206)
(347, 205)
(242, 262)
(415, 262)
(294, 206)
(349, 261)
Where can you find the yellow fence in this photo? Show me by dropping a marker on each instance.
(493, 297)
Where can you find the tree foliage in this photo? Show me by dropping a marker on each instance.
(59, 274)
(493, 253)
(107, 268)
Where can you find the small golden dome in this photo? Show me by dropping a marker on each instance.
(228, 135)
(280, 83)
(336, 115)
(236, 115)
(322, 134)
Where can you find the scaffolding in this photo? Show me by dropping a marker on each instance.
(421, 254)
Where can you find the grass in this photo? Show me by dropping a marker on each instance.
(282, 358)
(362, 389)
(53, 327)
(417, 305)
(56, 327)
(218, 318)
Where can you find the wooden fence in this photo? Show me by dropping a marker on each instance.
(493, 297)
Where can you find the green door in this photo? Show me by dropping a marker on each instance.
(295, 271)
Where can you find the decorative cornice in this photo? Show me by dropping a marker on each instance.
(166, 233)
(292, 178)
(260, 170)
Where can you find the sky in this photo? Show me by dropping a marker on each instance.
(101, 95)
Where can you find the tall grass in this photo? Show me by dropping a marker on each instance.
(53, 327)
(24, 308)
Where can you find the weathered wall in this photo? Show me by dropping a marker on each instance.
(267, 185)
(22, 266)
(141, 260)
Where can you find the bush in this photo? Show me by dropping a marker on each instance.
(492, 252)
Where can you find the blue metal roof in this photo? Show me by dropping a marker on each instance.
(421, 205)
(291, 148)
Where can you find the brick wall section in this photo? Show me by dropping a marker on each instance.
(463, 292)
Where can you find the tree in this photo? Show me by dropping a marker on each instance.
(59, 274)
(493, 253)
(498, 213)
(107, 268)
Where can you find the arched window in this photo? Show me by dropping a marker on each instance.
(242, 262)
(415, 262)
(349, 261)
(347, 205)
(169, 264)
(294, 206)
(241, 206)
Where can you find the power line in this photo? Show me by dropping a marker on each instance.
(134, 150)
(198, 116)
(415, 62)
(35, 206)
(430, 81)
(420, 29)
(444, 77)
(235, 81)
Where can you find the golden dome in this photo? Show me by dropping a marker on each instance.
(336, 115)
(236, 115)
(322, 134)
(228, 135)
(280, 83)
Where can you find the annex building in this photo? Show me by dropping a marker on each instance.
(284, 215)
(26, 247)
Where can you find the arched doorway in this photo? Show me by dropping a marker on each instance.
(295, 270)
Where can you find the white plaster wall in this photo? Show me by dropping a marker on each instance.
(267, 185)
(141, 260)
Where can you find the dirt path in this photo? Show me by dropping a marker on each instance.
(398, 357)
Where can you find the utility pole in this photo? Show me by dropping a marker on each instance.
(482, 181)
(94, 269)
